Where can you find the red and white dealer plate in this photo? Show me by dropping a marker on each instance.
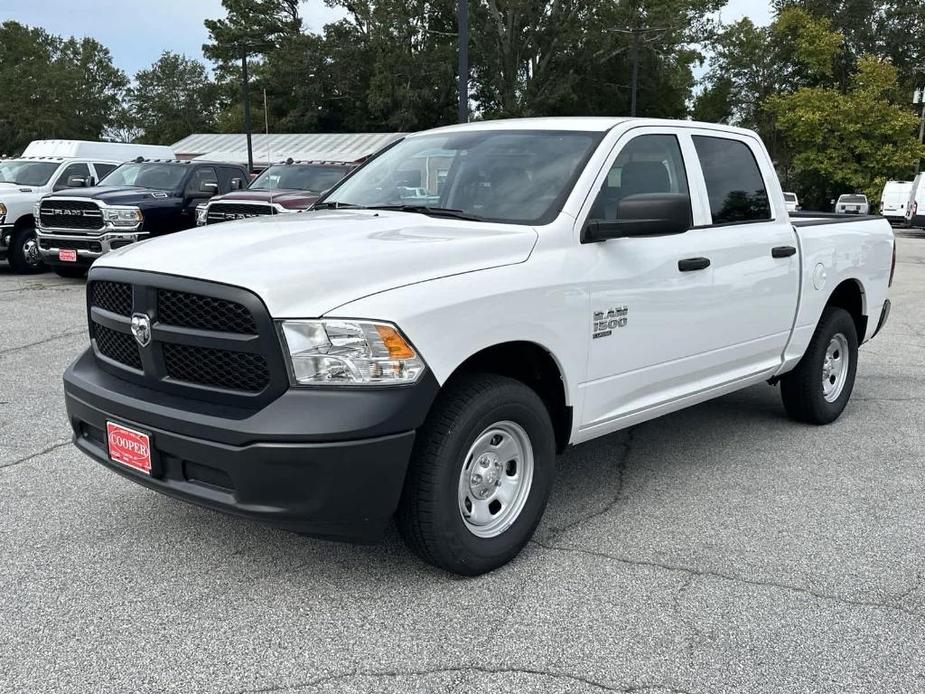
(67, 256)
(129, 447)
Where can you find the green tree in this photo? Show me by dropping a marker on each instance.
(54, 87)
(847, 142)
(171, 99)
(251, 26)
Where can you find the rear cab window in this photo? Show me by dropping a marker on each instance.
(735, 187)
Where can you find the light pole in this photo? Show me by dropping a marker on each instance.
(462, 16)
(919, 98)
(246, 94)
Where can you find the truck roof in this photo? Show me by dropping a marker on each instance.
(82, 149)
(578, 124)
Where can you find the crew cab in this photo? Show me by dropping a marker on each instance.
(49, 166)
(373, 358)
(290, 186)
(137, 200)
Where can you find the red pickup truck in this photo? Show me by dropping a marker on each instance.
(290, 186)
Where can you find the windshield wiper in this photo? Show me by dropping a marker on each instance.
(334, 205)
(428, 210)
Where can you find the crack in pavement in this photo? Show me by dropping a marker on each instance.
(626, 448)
(59, 336)
(696, 633)
(706, 573)
(577, 679)
(45, 451)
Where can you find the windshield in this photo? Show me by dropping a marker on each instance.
(315, 178)
(27, 173)
(518, 176)
(790, 197)
(146, 175)
(852, 198)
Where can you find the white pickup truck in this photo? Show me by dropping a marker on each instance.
(51, 166)
(562, 279)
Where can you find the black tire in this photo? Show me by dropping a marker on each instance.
(802, 388)
(24, 255)
(69, 272)
(429, 515)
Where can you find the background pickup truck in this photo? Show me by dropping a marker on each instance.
(570, 278)
(290, 186)
(50, 166)
(137, 200)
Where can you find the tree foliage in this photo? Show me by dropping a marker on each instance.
(171, 99)
(54, 87)
(847, 142)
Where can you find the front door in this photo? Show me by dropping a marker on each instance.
(678, 317)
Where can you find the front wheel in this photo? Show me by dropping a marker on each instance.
(480, 475)
(818, 389)
(25, 258)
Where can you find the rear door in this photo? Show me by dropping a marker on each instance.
(695, 312)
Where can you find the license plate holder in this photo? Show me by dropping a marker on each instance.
(67, 255)
(129, 447)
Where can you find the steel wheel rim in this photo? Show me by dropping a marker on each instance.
(495, 479)
(835, 365)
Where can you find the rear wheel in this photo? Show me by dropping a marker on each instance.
(480, 475)
(818, 389)
(70, 272)
(25, 258)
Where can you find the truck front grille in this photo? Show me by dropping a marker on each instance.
(227, 211)
(82, 215)
(207, 341)
(115, 297)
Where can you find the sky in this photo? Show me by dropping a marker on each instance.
(137, 31)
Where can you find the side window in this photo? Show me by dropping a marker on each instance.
(228, 175)
(200, 176)
(734, 184)
(78, 170)
(102, 170)
(647, 164)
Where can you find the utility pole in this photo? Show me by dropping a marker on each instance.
(919, 98)
(246, 94)
(463, 49)
(634, 80)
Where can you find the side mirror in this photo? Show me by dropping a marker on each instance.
(646, 214)
(77, 181)
(236, 184)
(208, 187)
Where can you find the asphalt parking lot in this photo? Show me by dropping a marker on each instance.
(722, 548)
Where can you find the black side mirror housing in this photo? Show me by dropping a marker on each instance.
(236, 184)
(208, 187)
(645, 214)
(77, 181)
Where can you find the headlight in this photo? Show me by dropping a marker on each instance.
(202, 211)
(123, 216)
(339, 352)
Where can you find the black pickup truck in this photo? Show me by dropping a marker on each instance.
(137, 200)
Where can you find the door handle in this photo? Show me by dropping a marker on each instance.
(783, 251)
(691, 264)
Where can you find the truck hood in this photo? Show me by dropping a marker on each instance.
(306, 265)
(17, 195)
(114, 195)
(291, 199)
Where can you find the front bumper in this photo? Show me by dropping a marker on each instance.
(319, 462)
(88, 247)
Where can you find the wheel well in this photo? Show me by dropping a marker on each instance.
(27, 221)
(534, 366)
(849, 296)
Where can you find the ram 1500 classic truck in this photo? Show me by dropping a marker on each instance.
(372, 358)
(138, 200)
(287, 187)
(48, 166)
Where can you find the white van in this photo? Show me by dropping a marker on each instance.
(49, 166)
(894, 200)
(915, 207)
(792, 202)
